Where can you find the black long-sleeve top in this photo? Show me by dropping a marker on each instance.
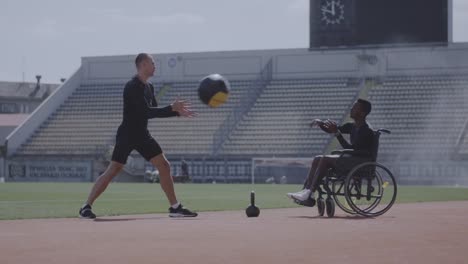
(362, 138)
(139, 106)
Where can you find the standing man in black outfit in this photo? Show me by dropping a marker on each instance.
(139, 106)
(362, 140)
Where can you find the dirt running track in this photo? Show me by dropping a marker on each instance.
(409, 233)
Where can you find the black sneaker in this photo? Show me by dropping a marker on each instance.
(309, 202)
(85, 212)
(181, 212)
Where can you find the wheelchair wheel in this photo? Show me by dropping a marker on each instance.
(339, 196)
(330, 205)
(321, 206)
(370, 189)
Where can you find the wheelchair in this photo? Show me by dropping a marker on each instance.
(366, 188)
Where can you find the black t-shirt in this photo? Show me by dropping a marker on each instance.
(362, 138)
(139, 106)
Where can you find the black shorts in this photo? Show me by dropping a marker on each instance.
(345, 164)
(148, 148)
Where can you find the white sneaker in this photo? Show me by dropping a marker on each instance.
(291, 194)
(302, 196)
(304, 193)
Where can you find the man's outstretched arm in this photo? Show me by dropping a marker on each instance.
(332, 128)
(178, 108)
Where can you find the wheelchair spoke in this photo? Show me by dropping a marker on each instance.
(339, 197)
(372, 189)
(371, 196)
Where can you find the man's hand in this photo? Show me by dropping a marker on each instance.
(183, 108)
(330, 126)
(316, 122)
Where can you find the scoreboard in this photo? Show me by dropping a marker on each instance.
(343, 23)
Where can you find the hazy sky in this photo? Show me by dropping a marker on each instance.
(49, 37)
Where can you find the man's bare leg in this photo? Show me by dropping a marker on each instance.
(103, 181)
(167, 184)
(305, 193)
(313, 169)
(325, 163)
(322, 164)
(99, 187)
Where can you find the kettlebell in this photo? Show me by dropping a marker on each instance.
(252, 210)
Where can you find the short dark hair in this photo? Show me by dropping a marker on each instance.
(140, 57)
(366, 106)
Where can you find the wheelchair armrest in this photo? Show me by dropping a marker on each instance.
(351, 152)
(383, 130)
(342, 151)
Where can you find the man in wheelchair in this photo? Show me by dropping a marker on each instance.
(361, 137)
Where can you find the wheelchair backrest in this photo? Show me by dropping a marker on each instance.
(375, 144)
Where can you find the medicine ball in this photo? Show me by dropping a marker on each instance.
(214, 90)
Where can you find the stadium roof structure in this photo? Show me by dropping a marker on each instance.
(25, 90)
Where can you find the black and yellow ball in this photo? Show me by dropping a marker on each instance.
(214, 90)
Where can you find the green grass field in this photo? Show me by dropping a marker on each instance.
(51, 200)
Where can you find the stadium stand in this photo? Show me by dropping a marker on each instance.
(426, 114)
(278, 123)
(87, 122)
(419, 93)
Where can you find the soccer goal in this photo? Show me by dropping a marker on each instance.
(279, 170)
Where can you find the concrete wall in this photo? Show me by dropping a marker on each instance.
(49, 170)
(18, 105)
(288, 63)
(4, 132)
(42, 112)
